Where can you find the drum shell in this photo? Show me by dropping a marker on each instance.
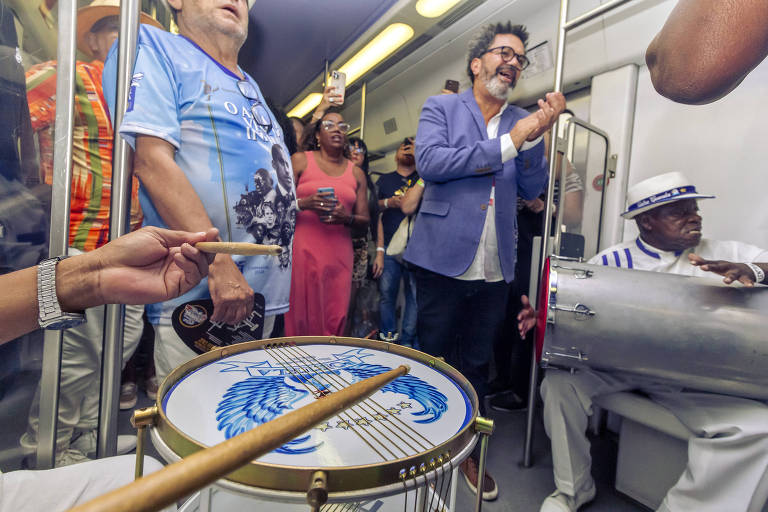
(694, 332)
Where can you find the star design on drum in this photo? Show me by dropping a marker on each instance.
(343, 424)
(362, 421)
(393, 411)
(405, 405)
(380, 417)
(323, 427)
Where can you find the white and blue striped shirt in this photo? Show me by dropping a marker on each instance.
(639, 255)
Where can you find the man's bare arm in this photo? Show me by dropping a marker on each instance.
(181, 208)
(145, 266)
(707, 47)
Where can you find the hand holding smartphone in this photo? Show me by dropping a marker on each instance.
(338, 81)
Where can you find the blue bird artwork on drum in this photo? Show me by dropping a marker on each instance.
(273, 389)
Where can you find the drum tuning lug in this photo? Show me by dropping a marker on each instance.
(579, 355)
(412, 472)
(484, 425)
(144, 417)
(578, 273)
(576, 309)
(422, 468)
(317, 495)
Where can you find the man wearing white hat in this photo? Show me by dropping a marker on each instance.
(97, 28)
(727, 460)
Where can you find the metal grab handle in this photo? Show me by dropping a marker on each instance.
(577, 309)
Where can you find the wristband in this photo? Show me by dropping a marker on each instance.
(759, 273)
(298, 204)
(379, 249)
(385, 203)
(420, 182)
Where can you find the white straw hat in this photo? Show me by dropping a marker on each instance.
(98, 9)
(661, 189)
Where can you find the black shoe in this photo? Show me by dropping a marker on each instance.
(508, 401)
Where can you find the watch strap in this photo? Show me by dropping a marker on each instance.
(50, 315)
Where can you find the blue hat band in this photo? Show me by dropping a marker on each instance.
(661, 197)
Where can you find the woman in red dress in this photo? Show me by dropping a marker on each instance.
(322, 245)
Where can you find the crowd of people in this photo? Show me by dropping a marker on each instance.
(449, 229)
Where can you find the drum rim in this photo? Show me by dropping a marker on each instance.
(340, 479)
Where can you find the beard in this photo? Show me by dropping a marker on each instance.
(495, 86)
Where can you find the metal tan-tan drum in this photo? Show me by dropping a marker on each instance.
(397, 450)
(694, 332)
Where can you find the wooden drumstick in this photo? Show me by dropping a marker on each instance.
(175, 481)
(241, 248)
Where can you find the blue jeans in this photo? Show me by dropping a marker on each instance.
(389, 285)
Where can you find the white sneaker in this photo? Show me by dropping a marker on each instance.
(86, 443)
(69, 457)
(559, 502)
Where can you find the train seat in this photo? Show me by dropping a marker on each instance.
(653, 447)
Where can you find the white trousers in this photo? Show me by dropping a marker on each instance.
(62, 488)
(81, 374)
(727, 457)
(171, 352)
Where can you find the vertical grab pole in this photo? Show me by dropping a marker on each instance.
(59, 232)
(545, 245)
(362, 110)
(120, 208)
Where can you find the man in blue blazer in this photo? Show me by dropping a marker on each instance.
(476, 154)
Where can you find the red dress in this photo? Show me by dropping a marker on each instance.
(321, 279)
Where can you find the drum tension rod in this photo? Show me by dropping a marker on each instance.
(484, 427)
(317, 495)
(141, 419)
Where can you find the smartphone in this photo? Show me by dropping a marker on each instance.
(327, 189)
(338, 80)
(451, 85)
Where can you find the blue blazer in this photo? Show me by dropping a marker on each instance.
(458, 164)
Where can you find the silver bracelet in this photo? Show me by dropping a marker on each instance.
(759, 273)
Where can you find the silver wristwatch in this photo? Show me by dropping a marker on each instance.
(50, 315)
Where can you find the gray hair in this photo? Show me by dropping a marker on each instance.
(483, 38)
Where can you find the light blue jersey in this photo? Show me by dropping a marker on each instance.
(237, 163)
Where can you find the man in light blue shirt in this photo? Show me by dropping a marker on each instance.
(203, 138)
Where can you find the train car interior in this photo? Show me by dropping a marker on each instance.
(616, 131)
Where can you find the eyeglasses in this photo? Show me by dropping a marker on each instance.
(356, 149)
(328, 126)
(259, 112)
(507, 54)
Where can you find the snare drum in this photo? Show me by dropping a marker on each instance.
(693, 332)
(415, 430)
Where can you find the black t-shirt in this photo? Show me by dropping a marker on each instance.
(389, 185)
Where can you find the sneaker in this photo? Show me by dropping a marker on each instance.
(150, 386)
(508, 401)
(469, 470)
(128, 396)
(86, 443)
(69, 457)
(560, 502)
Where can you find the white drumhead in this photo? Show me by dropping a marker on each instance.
(413, 413)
